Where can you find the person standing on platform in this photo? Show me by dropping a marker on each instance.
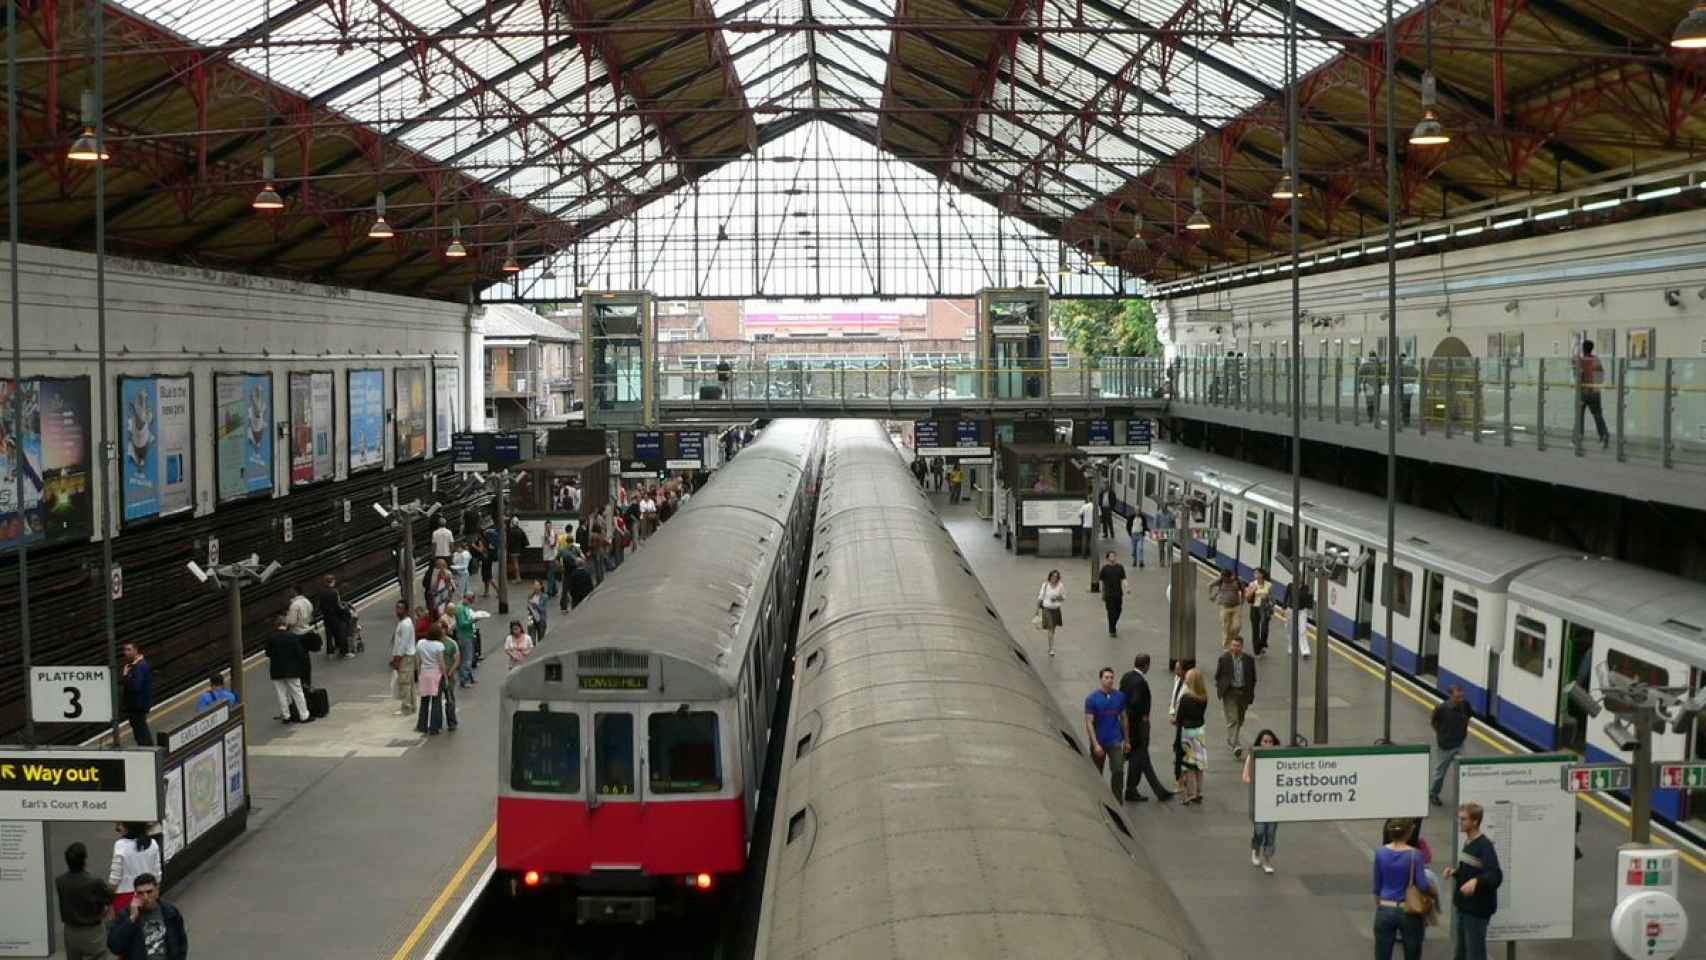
(1050, 598)
(1451, 729)
(1106, 725)
(548, 554)
(488, 559)
(1087, 524)
(936, 474)
(1105, 512)
(138, 678)
(83, 903)
(136, 854)
(648, 516)
(1475, 894)
(538, 612)
(299, 620)
(1177, 669)
(460, 561)
(515, 544)
(441, 542)
(150, 928)
(1260, 596)
(1228, 597)
(1137, 528)
(598, 547)
(1114, 585)
(581, 583)
(467, 619)
(1235, 682)
(1368, 378)
(452, 667)
(518, 645)
(429, 658)
(285, 659)
(919, 470)
(956, 480)
(1264, 835)
(1590, 373)
(403, 661)
(1138, 703)
(1397, 867)
(335, 618)
(1407, 386)
(441, 588)
(1191, 717)
(215, 694)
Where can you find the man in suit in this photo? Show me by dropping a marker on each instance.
(1139, 701)
(1235, 682)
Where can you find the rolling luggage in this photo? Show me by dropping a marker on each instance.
(319, 703)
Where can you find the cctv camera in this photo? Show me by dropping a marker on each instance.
(196, 571)
(384, 514)
(271, 569)
(1673, 298)
(1584, 700)
(1622, 735)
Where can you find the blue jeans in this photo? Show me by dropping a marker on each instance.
(1263, 838)
(1446, 759)
(465, 671)
(550, 579)
(1468, 936)
(1137, 548)
(1392, 924)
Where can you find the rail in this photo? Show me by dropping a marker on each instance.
(850, 387)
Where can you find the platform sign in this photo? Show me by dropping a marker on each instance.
(1100, 433)
(71, 695)
(925, 433)
(1532, 825)
(58, 785)
(1139, 432)
(466, 455)
(26, 924)
(689, 452)
(967, 434)
(1597, 777)
(1682, 776)
(648, 447)
(1299, 785)
(506, 447)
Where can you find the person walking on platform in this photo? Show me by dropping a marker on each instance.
(442, 539)
(429, 658)
(149, 928)
(138, 679)
(1050, 598)
(1228, 597)
(1137, 528)
(1260, 596)
(1114, 585)
(1407, 385)
(918, 469)
(1106, 725)
(581, 582)
(1190, 718)
(1475, 880)
(467, 620)
(285, 657)
(1397, 868)
(488, 557)
(136, 854)
(1590, 374)
(441, 587)
(403, 661)
(1264, 835)
(83, 902)
(538, 610)
(1368, 380)
(515, 544)
(936, 471)
(1451, 729)
(956, 481)
(1138, 704)
(548, 554)
(1235, 683)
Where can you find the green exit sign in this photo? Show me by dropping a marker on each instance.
(1682, 776)
(1597, 777)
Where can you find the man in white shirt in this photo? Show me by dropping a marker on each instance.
(299, 620)
(441, 541)
(403, 660)
(1087, 520)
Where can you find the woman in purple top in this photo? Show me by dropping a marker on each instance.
(1397, 865)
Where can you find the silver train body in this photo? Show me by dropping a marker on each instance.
(933, 801)
(1508, 618)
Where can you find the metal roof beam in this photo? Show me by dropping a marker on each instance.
(1002, 45)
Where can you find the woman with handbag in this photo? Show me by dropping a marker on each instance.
(1049, 601)
(1404, 897)
(1190, 718)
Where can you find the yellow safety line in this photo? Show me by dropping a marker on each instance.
(455, 884)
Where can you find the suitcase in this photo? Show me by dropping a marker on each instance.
(319, 703)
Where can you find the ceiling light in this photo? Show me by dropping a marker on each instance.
(510, 264)
(549, 273)
(1040, 281)
(1660, 193)
(268, 198)
(1470, 231)
(1198, 220)
(1137, 240)
(87, 148)
(1288, 187)
(1096, 259)
(1429, 131)
(380, 229)
(1691, 32)
(1516, 221)
(455, 249)
(1552, 214)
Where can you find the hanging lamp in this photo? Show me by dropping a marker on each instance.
(380, 229)
(267, 199)
(510, 264)
(1096, 259)
(1199, 220)
(455, 249)
(1290, 186)
(87, 147)
(1429, 131)
(1691, 32)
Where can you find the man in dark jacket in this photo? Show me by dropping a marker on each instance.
(83, 901)
(285, 661)
(580, 581)
(151, 929)
(1138, 703)
(1451, 728)
(332, 614)
(1475, 886)
(138, 692)
(1235, 682)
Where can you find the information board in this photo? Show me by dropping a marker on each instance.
(967, 434)
(1293, 785)
(1532, 825)
(1099, 433)
(52, 784)
(925, 433)
(366, 420)
(1050, 513)
(689, 451)
(157, 464)
(25, 923)
(243, 450)
(648, 447)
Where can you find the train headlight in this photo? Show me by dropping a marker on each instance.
(702, 881)
(530, 878)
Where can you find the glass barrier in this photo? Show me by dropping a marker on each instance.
(1688, 429)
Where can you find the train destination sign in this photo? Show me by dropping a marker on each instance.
(606, 681)
(1293, 785)
(79, 784)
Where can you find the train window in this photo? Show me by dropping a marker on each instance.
(1311, 537)
(1149, 484)
(1173, 489)
(545, 752)
(1465, 617)
(1530, 650)
(1338, 576)
(613, 750)
(1637, 669)
(1252, 527)
(1282, 540)
(683, 751)
(1226, 519)
(1398, 584)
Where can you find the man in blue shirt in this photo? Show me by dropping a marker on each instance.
(215, 694)
(1110, 737)
(138, 681)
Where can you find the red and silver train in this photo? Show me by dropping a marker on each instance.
(633, 743)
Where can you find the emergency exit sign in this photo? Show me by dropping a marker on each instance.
(1597, 777)
(1682, 776)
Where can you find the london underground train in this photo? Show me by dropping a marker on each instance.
(932, 800)
(1510, 619)
(632, 744)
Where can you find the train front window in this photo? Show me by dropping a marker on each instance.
(683, 754)
(545, 753)
(613, 751)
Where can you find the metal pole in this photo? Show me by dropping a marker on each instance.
(104, 409)
(1297, 361)
(24, 649)
(234, 608)
(1391, 378)
(406, 582)
(502, 480)
(1641, 792)
(1321, 606)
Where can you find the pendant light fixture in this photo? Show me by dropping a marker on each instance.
(1061, 269)
(1198, 220)
(1429, 131)
(87, 147)
(380, 229)
(455, 250)
(550, 271)
(1096, 259)
(1137, 239)
(1691, 32)
(1290, 186)
(267, 199)
(510, 264)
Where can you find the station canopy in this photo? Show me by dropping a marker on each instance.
(740, 148)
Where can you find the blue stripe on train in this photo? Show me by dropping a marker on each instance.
(1527, 726)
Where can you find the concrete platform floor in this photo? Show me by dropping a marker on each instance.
(1318, 903)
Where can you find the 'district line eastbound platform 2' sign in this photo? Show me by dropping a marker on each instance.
(1293, 785)
(80, 785)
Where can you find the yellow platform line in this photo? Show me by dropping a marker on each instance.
(427, 919)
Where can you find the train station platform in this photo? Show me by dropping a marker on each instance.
(364, 836)
(1317, 904)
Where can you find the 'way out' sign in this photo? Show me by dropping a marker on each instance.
(1292, 785)
(48, 784)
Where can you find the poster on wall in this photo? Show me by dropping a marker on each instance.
(155, 428)
(411, 414)
(172, 825)
(204, 791)
(234, 772)
(310, 427)
(54, 447)
(366, 419)
(244, 447)
(446, 406)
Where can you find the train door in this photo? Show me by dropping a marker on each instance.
(1278, 573)
(1529, 675)
(1344, 598)
(616, 765)
(1197, 515)
(1577, 656)
(1226, 535)
(1398, 593)
(1252, 550)
(1151, 495)
(1433, 604)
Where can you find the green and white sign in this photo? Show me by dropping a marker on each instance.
(1532, 825)
(1293, 785)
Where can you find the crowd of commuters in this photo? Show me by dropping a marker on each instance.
(122, 916)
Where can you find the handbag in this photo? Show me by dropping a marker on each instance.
(1419, 902)
(1037, 620)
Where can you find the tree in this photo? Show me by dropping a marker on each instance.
(1107, 328)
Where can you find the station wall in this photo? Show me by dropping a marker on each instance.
(1550, 290)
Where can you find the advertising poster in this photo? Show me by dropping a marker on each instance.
(366, 419)
(1532, 824)
(411, 413)
(310, 428)
(172, 824)
(204, 791)
(446, 406)
(234, 770)
(54, 448)
(242, 407)
(155, 429)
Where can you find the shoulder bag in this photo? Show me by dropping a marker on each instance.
(1419, 902)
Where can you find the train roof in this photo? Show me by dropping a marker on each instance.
(1218, 473)
(1651, 609)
